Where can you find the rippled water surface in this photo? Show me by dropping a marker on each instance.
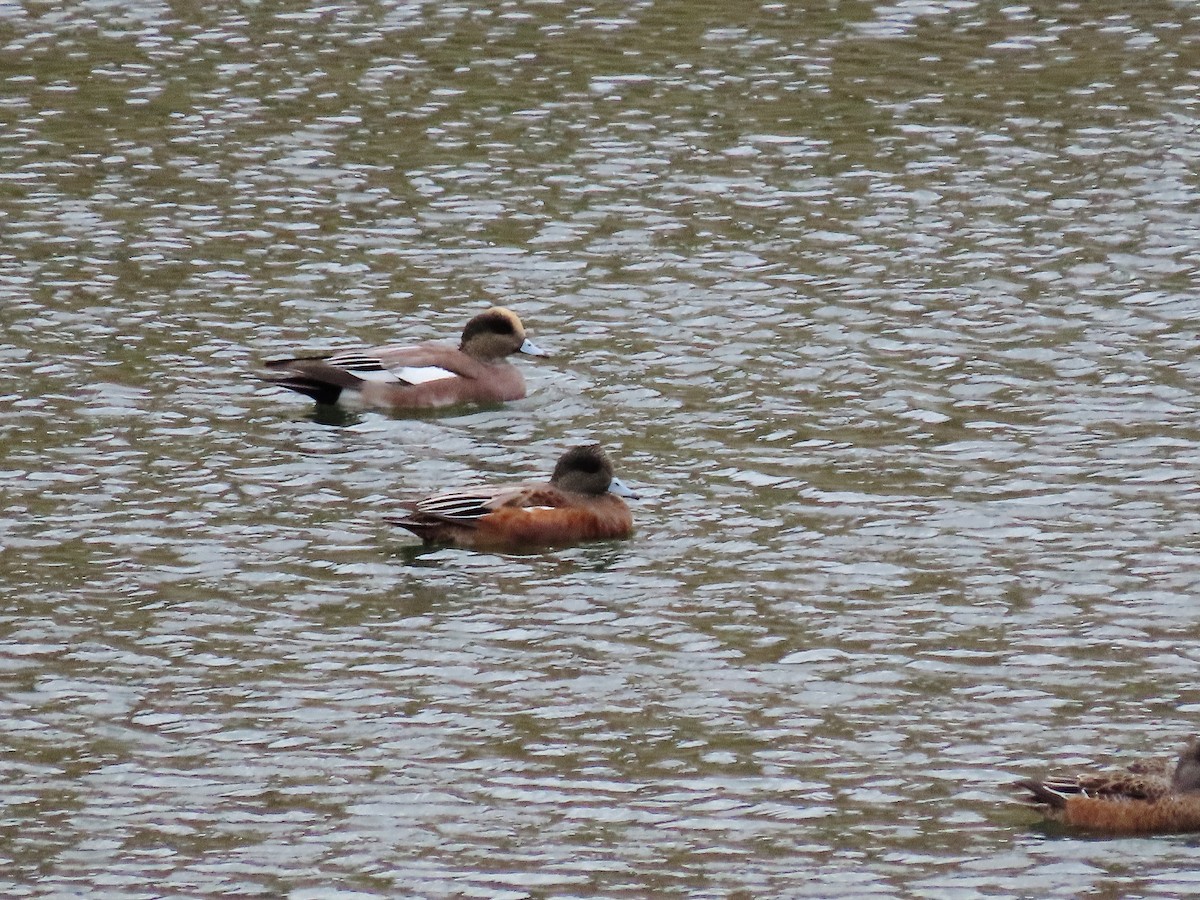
(888, 311)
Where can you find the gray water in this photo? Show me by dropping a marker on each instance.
(888, 312)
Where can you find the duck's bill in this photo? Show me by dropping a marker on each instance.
(532, 349)
(621, 489)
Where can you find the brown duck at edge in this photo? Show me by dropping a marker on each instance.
(1145, 798)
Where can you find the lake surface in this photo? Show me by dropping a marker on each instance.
(889, 312)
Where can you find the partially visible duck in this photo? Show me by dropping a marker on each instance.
(581, 502)
(421, 376)
(1149, 797)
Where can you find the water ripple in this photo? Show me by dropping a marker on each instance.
(904, 375)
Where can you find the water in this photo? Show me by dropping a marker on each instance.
(887, 312)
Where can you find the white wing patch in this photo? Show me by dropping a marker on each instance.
(422, 374)
(383, 376)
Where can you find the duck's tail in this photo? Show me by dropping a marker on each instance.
(312, 377)
(1040, 794)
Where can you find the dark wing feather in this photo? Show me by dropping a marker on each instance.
(1041, 794)
(458, 506)
(466, 506)
(356, 361)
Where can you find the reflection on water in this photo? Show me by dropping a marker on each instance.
(886, 310)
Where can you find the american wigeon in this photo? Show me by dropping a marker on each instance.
(1149, 797)
(580, 502)
(421, 376)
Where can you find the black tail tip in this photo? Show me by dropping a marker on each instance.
(320, 392)
(1039, 794)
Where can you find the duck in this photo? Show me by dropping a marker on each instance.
(1147, 797)
(581, 502)
(421, 376)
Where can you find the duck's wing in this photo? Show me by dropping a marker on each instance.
(467, 506)
(415, 365)
(1126, 784)
(1163, 767)
(1116, 785)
